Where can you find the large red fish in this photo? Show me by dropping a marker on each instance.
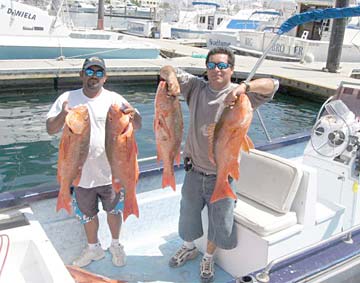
(226, 138)
(121, 151)
(168, 127)
(83, 276)
(73, 150)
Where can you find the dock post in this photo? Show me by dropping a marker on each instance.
(100, 23)
(336, 40)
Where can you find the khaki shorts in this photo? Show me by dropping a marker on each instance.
(86, 201)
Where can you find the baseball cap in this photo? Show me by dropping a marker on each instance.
(94, 61)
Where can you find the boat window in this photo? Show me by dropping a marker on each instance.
(219, 20)
(202, 20)
(90, 36)
(38, 28)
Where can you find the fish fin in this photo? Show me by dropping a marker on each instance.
(64, 202)
(130, 207)
(158, 156)
(250, 142)
(77, 179)
(178, 158)
(234, 169)
(210, 132)
(168, 179)
(116, 184)
(222, 190)
(247, 144)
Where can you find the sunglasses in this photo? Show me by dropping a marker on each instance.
(90, 72)
(220, 65)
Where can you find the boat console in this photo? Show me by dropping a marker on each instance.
(285, 206)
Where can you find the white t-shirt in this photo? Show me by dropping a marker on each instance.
(96, 171)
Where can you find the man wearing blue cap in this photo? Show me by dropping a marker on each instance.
(95, 182)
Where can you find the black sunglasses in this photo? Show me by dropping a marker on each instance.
(220, 65)
(90, 72)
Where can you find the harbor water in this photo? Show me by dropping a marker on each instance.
(28, 155)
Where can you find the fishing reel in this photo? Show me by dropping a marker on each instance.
(331, 134)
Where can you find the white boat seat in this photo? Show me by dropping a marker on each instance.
(268, 179)
(266, 190)
(260, 219)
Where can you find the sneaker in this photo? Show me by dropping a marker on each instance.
(182, 256)
(207, 270)
(88, 255)
(118, 255)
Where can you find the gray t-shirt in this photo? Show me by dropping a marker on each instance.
(198, 94)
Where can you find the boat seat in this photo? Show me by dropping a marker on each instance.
(266, 190)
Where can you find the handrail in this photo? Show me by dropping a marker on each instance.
(264, 276)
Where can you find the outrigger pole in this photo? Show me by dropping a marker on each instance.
(298, 19)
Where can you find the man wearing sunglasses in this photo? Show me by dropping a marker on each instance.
(95, 182)
(200, 177)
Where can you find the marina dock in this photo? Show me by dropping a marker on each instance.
(305, 78)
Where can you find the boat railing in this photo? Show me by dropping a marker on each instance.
(264, 275)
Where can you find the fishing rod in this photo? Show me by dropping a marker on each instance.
(298, 19)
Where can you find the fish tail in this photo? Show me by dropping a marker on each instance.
(222, 190)
(64, 202)
(168, 179)
(130, 207)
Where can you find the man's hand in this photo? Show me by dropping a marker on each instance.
(55, 124)
(65, 107)
(173, 86)
(129, 110)
(233, 95)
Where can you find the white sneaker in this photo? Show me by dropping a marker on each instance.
(118, 255)
(207, 272)
(182, 255)
(88, 255)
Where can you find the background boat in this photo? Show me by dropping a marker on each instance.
(306, 42)
(27, 32)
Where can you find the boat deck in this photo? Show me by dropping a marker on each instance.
(307, 77)
(149, 241)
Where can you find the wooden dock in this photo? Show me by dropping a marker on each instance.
(307, 78)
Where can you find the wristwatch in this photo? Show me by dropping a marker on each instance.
(247, 85)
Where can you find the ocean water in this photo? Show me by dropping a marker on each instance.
(28, 155)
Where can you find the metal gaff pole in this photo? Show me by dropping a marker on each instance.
(252, 73)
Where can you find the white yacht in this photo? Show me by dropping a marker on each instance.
(306, 42)
(28, 32)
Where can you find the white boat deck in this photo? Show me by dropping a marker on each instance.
(149, 241)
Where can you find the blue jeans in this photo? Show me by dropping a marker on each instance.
(196, 192)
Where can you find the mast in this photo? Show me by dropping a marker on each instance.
(100, 23)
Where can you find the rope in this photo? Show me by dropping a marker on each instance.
(1, 249)
(87, 54)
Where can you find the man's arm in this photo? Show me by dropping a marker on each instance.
(55, 124)
(263, 86)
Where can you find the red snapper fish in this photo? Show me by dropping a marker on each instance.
(121, 151)
(168, 127)
(73, 151)
(226, 138)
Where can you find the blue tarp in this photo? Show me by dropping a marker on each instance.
(243, 24)
(317, 15)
